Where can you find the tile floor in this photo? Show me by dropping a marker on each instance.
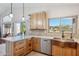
(36, 54)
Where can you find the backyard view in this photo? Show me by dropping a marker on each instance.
(63, 24)
(54, 25)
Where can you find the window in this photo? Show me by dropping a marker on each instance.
(6, 19)
(17, 26)
(67, 27)
(7, 26)
(66, 24)
(62, 24)
(54, 25)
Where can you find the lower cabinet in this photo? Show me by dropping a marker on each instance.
(28, 46)
(36, 46)
(77, 49)
(69, 49)
(63, 48)
(56, 48)
(23, 47)
(19, 48)
(56, 51)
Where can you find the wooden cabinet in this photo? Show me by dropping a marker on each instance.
(19, 48)
(36, 44)
(44, 20)
(77, 49)
(33, 21)
(28, 46)
(66, 51)
(38, 21)
(57, 48)
(56, 51)
(23, 47)
(64, 48)
(69, 49)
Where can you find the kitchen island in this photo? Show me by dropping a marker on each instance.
(22, 45)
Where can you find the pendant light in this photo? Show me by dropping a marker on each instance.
(11, 14)
(23, 13)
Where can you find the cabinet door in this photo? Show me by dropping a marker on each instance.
(33, 21)
(19, 47)
(28, 45)
(56, 50)
(74, 53)
(36, 44)
(77, 49)
(44, 20)
(39, 21)
(67, 51)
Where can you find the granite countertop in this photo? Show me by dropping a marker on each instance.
(17, 38)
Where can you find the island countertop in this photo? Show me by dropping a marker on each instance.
(17, 38)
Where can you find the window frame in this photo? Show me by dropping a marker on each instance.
(59, 27)
(74, 18)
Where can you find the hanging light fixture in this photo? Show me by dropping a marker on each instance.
(23, 13)
(11, 14)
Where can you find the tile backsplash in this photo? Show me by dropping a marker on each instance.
(39, 32)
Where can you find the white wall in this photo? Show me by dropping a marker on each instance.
(53, 11)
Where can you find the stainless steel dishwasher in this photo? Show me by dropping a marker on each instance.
(46, 46)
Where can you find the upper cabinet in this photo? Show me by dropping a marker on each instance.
(38, 20)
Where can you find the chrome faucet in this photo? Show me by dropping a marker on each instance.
(62, 34)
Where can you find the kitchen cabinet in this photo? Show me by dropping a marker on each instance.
(23, 47)
(44, 20)
(36, 46)
(28, 45)
(69, 49)
(57, 48)
(38, 21)
(77, 49)
(19, 48)
(33, 21)
(46, 46)
(63, 48)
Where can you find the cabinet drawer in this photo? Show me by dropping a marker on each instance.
(19, 47)
(20, 42)
(28, 50)
(19, 52)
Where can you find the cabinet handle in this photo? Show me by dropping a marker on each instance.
(21, 47)
(29, 44)
(45, 40)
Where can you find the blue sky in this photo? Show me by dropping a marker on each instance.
(56, 22)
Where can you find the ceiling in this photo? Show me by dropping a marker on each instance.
(6, 6)
(38, 4)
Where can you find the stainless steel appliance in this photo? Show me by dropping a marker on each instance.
(46, 46)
